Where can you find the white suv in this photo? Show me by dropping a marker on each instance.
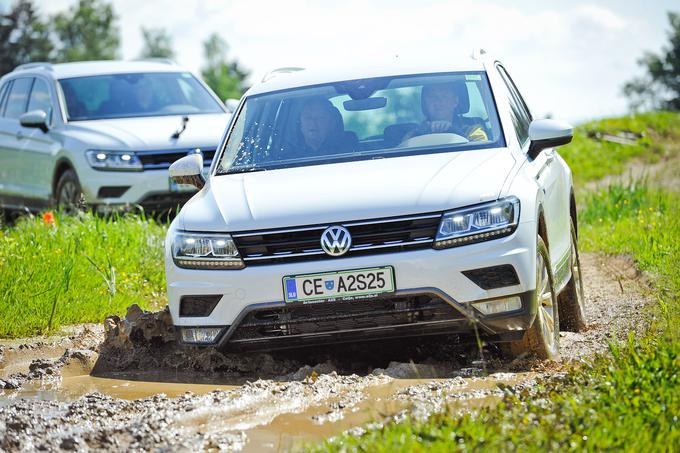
(103, 133)
(379, 202)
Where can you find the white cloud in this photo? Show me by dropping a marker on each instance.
(569, 60)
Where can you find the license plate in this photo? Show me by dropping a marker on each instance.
(340, 285)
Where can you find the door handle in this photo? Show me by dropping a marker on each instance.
(20, 135)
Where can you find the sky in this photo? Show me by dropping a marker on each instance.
(569, 58)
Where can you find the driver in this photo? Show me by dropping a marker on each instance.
(439, 103)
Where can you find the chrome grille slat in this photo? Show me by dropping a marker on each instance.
(370, 236)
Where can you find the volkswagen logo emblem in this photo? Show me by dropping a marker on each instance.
(336, 240)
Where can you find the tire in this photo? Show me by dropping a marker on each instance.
(571, 299)
(542, 339)
(68, 193)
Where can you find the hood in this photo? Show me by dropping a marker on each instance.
(150, 132)
(347, 191)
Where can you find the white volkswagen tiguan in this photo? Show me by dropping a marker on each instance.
(379, 202)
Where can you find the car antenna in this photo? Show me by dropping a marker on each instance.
(185, 120)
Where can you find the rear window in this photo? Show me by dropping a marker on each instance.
(363, 119)
(133, 95)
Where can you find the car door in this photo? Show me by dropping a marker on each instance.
(39, 148)
(549, 175)
(12, 182)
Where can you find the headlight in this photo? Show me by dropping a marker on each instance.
(205, 251)
(479, 223)
(114, 160)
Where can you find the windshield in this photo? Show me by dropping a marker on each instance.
(363, 119)
(132, 95)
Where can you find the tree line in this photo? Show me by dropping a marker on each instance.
(89, 30)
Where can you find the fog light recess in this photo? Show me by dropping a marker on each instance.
(492, 307)
(200, 335)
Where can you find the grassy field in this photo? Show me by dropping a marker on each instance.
(77, 269)
(626, 400)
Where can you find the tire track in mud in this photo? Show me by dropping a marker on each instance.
(275, 402)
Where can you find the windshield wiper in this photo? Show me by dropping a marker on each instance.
(176, 134)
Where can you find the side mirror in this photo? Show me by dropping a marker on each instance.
(231, 104)
(548, 134)
(188, 170)
(35, 118)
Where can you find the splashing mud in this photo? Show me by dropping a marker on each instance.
(128, 386)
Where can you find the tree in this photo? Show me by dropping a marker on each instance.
(225, 77)
(87, 31)
(23, 37)
(157, 43)
(659, 88)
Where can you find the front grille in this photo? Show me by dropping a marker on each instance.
(299, 319)
(368, 237)
(161, 160)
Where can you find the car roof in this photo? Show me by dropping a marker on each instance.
(286, 78)
(93, 68)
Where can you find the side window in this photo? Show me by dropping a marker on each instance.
(40, 98)
(3, 92)
(18, 98)
(519, 111)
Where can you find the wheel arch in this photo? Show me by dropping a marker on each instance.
(63, 164)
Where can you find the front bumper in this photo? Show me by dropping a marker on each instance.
(437, 273)
(149, 189)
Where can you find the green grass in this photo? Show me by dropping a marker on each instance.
(592, 158)
(79, 270)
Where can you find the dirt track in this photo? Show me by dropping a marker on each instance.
(272, 402)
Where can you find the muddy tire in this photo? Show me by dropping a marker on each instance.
(542, 339)
(68, 193)
(571, 300)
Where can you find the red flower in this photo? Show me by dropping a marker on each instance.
(48, 218)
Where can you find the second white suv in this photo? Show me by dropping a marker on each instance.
(388, 201)
(103, 133)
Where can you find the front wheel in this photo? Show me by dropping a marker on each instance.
(571, 299)
(543, 337)
(68, 193)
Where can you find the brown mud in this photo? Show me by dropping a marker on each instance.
(127, 387)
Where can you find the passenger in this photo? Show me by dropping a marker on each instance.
(322, 131)
(440, 106)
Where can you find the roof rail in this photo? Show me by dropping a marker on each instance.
(478, 53)
(167, 61)
(286, 70)
(35, 64)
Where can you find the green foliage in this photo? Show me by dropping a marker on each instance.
(157, 43)
(23, 37)
(591, 155)
(225, 77)
(87, 31)
(81, 269)
(660, 87)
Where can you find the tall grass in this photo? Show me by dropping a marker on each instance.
(79, 269)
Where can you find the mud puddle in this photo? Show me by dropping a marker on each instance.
(125, 387)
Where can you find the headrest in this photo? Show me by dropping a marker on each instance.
(458, 87)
